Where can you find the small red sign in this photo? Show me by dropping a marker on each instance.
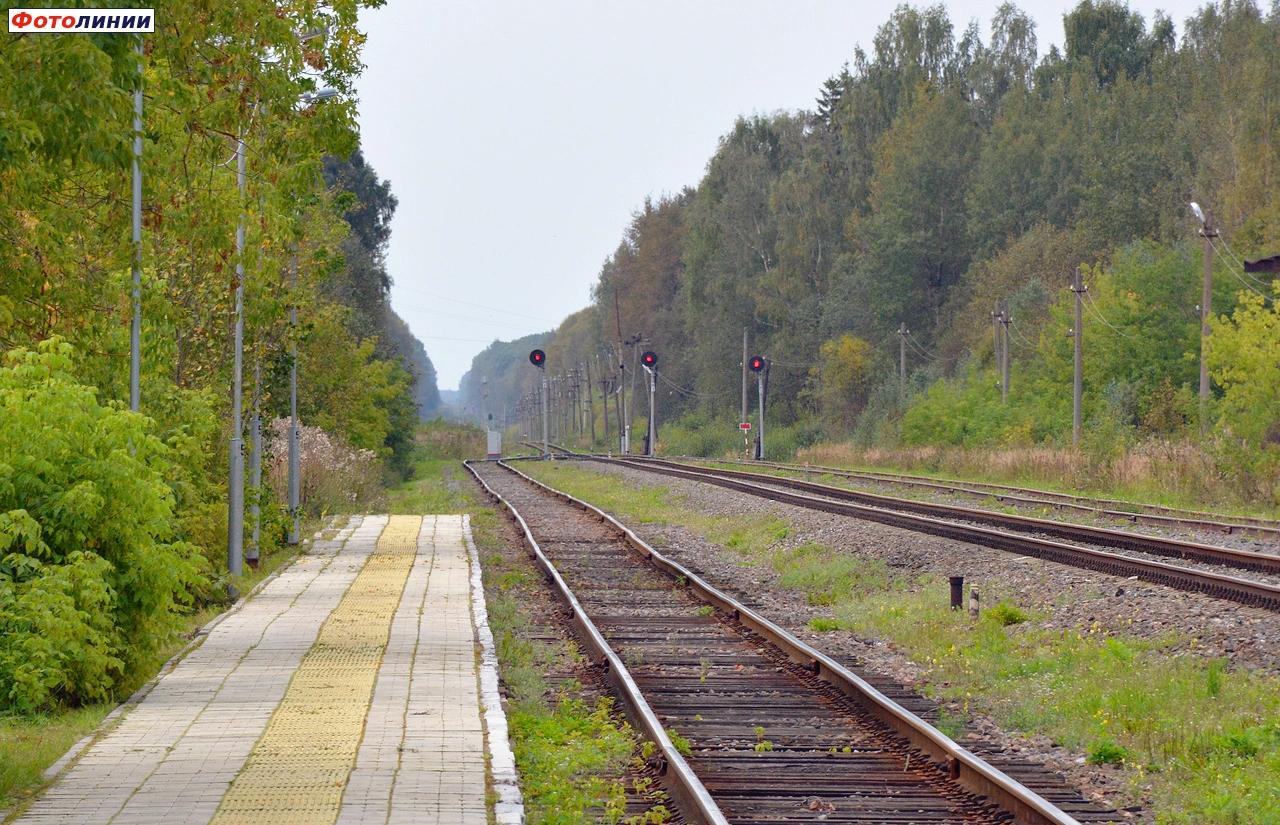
(745, 425)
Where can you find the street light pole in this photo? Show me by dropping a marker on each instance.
(135, 333)
(1207, 231)
(235, 481)
(1077, 377)
(295, 469)
(255, 466)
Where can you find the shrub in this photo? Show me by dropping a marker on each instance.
(1006, 613)
(336, 478)
(92, 579)
(1106, 752)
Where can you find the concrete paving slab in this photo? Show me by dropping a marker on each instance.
(358, 686)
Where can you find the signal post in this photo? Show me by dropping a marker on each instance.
(539, 359)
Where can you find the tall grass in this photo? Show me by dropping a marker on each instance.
(697, 434)
(1173, 473)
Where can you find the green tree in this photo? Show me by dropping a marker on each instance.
(1244, 359)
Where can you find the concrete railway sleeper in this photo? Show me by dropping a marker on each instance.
(776, 730)
(1100, 536)
(1153, 514)
(1232, 588)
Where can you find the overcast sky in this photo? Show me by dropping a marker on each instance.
(520, 136)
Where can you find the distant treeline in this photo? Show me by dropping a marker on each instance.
(941, 171)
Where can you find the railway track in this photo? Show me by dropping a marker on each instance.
(925, 518)
(1153, 514)
(776, 731)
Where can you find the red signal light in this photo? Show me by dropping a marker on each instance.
(756, 364)
(649, 359)
(538, 358)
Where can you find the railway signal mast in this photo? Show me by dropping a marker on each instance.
(649, 360)
(759, 366)
(539, 359)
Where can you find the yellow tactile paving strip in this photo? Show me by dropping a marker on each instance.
(298, 768)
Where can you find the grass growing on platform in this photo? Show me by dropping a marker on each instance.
(1199, 742)
(571, 753)
(439, 485)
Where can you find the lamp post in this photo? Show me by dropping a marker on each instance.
(295, 468)
(235, 480)
(1207, 231)
(135, 332)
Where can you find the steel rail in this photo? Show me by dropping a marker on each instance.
(687, 789)
(962, 765)
(1156, 545)
(1149, 513)
(1233, 588)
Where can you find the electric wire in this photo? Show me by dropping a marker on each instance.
(1097, 313)
(688, 392)
(920, 349)
(1237, 274)
(1018, 336)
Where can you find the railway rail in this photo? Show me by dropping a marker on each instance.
(776, 731)
(1138, 513)
(1101, 536)
(913, 515)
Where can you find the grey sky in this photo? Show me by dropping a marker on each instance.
(520, 136)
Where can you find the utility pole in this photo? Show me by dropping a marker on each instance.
(635, 342)
(255, 466)
(1207, 231)
(295, 432)
(566, 409)
(624, 424)
(1004, 351)
(903, 332)
(235, 479)
(604, 397)
(760, 393)
(591, 403)
(1078, 287)
(995, 335)
(135, 332)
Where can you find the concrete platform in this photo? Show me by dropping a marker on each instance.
(357, 686)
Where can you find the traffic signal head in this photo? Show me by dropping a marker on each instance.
(649, 359)
(538, 358)
(756, 363)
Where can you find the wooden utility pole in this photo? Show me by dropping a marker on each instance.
(746, 435)
(575, 399)
(604, 398)
(1004, 351)
(619, 381)
(903, 332)
(591, 403)
(1077, 333)
(1207, 231)
(995, 333)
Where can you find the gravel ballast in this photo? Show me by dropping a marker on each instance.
(1061, 597)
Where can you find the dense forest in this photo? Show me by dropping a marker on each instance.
(113, 523)
(945, 169)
